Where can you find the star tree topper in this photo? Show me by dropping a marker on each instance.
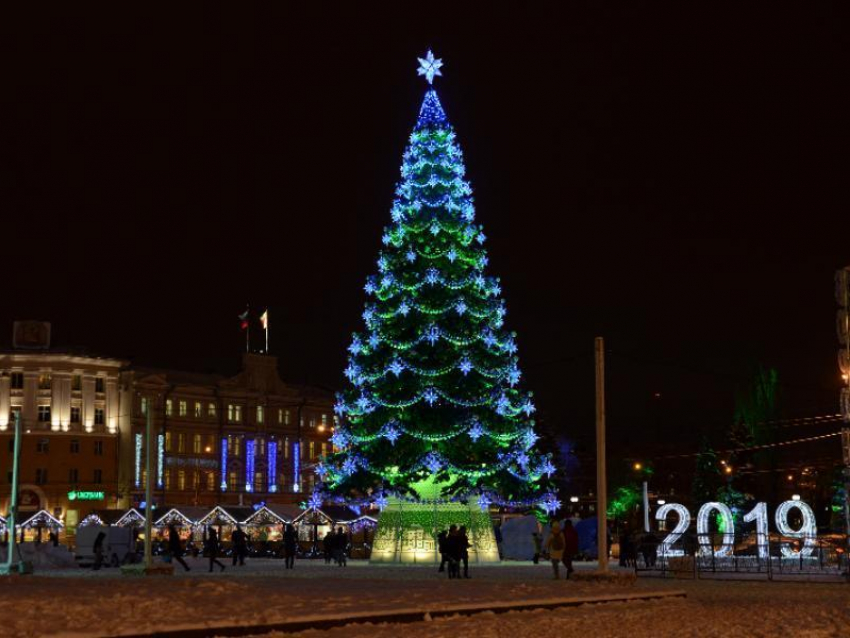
(429, 66)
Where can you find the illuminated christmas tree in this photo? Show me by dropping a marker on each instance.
(433, 427)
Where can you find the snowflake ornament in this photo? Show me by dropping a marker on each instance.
(429, 66)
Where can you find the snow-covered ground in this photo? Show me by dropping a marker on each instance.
(73, 601)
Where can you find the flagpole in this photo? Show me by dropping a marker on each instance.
(267, 331)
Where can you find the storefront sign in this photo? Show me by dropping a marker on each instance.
(86, 496)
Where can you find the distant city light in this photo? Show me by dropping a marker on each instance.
(574, 499)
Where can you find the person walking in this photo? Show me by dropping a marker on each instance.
(213, 548)
(175, 546)
(570, 545)
(290, 542)
(555, 545)
(240, 545)
(464, 545)
(98, 551)
(538, 547)
(340, 545)
(328, 545)
(441, 547)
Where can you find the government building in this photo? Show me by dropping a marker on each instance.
(216, 440)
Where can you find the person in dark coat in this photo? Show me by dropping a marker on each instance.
(175, 546)
(98, 550)
(453, 551)
(213, 548)
(340, 546)
(649, 549)
(441, 547)
(570, 545)
(290, 543)
(240, 545)
(328, 546)
(464, 545)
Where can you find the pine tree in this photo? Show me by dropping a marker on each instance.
(433, 411)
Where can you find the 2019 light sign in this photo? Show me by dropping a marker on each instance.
(758, 515)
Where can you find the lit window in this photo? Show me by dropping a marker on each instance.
(234, 413)
(260, 415)
(183, 408)
(181, 442)
(312, 449)
(258, 482)
(211, 410)
(237, 446)
(168, 441)
(210, 481)
(44, 381)
(169, 407)
(324, 419)
(166, 474)
(144, 405)
(324, 449)
(312, 422)
(260, 447)
(231, 481)
(286, 447)
(181, 480)
(280, 415)
(286, 417)
(196, 443)
(44, 414)
(197, 409)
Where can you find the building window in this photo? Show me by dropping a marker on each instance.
(98, 448)
(260, 415)
(286, 447)
(73, 475)
(183, 408)
(166, 475)
(169, 407)
(40, 476)
(260, 449)
(75, 414)
(75, 446)
(312, 422)
(76, 383)
(98, 385)
(197, 409)
(211, 410)
(324, 449)
(312, 449)
(181, 480)
(196, 480)
(43, 446)
(196, 443)
(44, 381)
(144, 405)
(181, 442)
(168, 441)
(258, 482)
(98, 416)
(231, 481)
(98, 477)
(210, 481)
(234, 413)
(280, 416)
(17, 381)
(237, 445)
(44, 414)
(210, 447)
(324, 420)
(286, 417)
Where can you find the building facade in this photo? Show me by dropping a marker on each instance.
(69, 405)
(239, 440)
(242, 440)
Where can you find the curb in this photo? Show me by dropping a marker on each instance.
(398, 616)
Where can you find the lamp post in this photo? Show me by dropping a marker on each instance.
(9, 567)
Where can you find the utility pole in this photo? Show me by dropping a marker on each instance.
(11, 522)
(149, 487)
(601, 479)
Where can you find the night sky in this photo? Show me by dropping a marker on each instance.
(673, 181)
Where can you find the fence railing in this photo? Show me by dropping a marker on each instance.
(769, 556)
